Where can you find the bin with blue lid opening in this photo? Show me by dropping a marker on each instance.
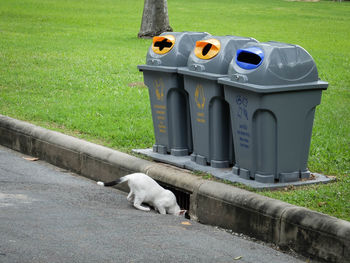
(273, 90)
(169, 100)
(210, 114)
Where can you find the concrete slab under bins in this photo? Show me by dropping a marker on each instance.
(226, 173)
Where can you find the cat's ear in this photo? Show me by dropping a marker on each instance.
(182, 212)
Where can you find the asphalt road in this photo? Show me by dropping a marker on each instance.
(50, 215)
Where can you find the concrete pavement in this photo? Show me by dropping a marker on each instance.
(50, 215)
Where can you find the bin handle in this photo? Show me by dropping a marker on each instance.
(197, 67)
(249, 58)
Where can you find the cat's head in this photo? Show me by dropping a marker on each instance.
(173, 207)
(182, 213)
(176, 210)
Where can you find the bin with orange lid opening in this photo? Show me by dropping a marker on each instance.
(169, 100)
(210, 113)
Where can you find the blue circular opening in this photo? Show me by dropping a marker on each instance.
(249, 58)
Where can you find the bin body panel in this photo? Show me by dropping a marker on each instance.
(221, 143)
(212, 143)
(179, 124)
(264, 132)
(170, 113)
(272, 133)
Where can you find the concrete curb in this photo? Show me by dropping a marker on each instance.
(310, 233)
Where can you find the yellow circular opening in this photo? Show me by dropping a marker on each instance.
(207, 49)
(163, 44)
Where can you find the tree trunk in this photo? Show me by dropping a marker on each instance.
(155, 19)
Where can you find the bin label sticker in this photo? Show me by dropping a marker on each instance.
(200, 117)
(160, 111)
(159, 89)
(243, 134)
(199, 97)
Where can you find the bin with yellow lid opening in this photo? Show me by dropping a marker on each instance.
(169, 100)
(210, 113)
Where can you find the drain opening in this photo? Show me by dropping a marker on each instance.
(165, 43)
(182, 197)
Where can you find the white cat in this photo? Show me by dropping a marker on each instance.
(143, 189)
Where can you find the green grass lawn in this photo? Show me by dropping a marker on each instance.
(71, 66)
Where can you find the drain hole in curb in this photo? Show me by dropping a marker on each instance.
(182, 197)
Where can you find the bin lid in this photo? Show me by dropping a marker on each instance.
(273, 66)
(170, 50)
(211, 55)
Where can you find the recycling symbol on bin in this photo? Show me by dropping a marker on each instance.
(242, 103)
(159, 88)
(199, 97)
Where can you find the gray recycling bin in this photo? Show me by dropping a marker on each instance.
(169, 101)
(273, 89)
(210, 114)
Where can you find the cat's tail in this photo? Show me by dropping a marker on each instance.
(118, 181)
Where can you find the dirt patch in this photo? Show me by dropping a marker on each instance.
(137, 84)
